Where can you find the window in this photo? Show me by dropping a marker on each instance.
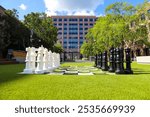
(60, 24)
(65, 28)
(65, 33)
(73, 33)
(86, 24)
(81, 33)
(73, 24)
(80, 20)
(65, 46)
(59, 28)
(65, 24)
(65, 40)
(91, 24)
(81, 43)
(73, 37)
(73, 28)
(86, 29)
(54, 19)
(73, 19)
(59, 33)
(81, 37)
(65, 20)
(73, 42)
(81, 28)
(55, 24)
(60, 20)
(91, 20)
(86, 20)
(81, 24)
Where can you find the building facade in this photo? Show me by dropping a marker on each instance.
(72, 31)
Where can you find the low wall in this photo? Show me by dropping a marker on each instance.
(143, 59)
(19, 56)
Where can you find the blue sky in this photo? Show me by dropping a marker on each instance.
(61, 7)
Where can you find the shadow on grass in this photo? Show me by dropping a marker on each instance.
(140, 71)
(10, 72)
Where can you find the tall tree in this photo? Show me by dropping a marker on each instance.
(113, 28)
(43, 29)
(143, 13)
(13, 33)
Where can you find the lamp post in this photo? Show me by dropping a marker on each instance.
(31, 37)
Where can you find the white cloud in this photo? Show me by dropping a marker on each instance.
(72, 7)
(84, 12)
(23, 7)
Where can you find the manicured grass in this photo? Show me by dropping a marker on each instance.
(15, 86)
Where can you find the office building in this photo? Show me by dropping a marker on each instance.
(72, 31)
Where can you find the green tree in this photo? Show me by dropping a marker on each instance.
(13, 33)
(14, 13)
(58, 48)
(43, 29)
(143, 13)
(113, 28)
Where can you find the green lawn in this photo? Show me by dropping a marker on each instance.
(15, 86)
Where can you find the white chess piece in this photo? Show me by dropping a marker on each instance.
(58, 60)
(39, 68)
(50, 61)
(28, 68)
(33, 58)
(54, 60)
(45, 60)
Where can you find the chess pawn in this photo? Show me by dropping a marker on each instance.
(128, 61)
(28, 68)
(111, 61)
(99, 61)
(33, 58)
(50, 61)
(45, 60)
(58, 55)
(104, 61)
(39, 68)
(96, 57)
(57, 60)
(54, 60)
(119, 61)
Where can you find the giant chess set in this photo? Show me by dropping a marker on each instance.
(40, 61)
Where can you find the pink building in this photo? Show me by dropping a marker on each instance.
(72, 31)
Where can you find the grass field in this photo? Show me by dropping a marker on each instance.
(68, 87)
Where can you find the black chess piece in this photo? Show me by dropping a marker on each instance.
(104, 61)
(96, 60)
(146, 51)
(99, 60)
(122, 58)
(115, 56)
(128, 61)
(138, 52)
(112, 60)
(119, 61)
